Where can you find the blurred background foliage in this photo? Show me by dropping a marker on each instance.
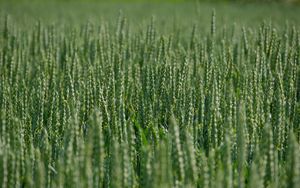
(236, 1)
(168, 13)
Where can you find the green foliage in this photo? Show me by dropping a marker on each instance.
(112, 105)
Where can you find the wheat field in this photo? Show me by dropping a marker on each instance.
(207, 96)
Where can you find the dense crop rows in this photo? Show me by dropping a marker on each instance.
(104, 106)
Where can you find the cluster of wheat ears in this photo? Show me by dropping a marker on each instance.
(101, 106)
